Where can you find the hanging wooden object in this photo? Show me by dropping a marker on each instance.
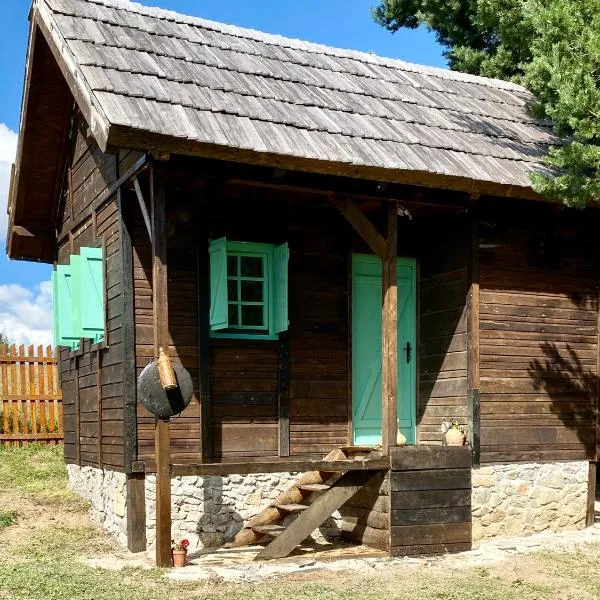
(166, 371)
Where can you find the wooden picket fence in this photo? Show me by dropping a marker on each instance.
(30, 396)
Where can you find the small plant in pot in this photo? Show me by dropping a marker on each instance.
(454, 432)
(179, 552)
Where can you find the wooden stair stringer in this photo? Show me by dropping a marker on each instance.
(316, 514)
(293, 495)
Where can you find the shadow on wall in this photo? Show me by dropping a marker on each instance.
(571, 386)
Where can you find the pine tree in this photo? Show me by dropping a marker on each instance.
(550, 46)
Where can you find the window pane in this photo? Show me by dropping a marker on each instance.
(252, 266)
(252, 291)
(232, 266)
(252, 316)
(232, 290)
(233, 315)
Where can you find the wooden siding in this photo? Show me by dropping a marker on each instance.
(538, 334)
(92, 377)
(245, 375)
(430, 500)
(442, 340)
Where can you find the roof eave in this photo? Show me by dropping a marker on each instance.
(121, 136)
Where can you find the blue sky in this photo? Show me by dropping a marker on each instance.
(24, 288)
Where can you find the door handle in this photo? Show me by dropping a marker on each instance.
(408, 350)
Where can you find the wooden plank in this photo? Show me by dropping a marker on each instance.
(429, 516)
(416, 499)
(160, 304)
(204, 343)
(473, 346)
(264, 466)
(430, 549)
(126, 367)
(420, 458)
(449, 479)
(136, 512)
(590, 517)
(441, 533)
(389, 334)
(361, 224)
(319, 511)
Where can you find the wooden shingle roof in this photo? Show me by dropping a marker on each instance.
(155, 79)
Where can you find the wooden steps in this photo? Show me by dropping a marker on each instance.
(272, 530)
(291, 508)
(316, 514)
(314, 487)
(310, 501)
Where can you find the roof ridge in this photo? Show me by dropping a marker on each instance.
(279, 40)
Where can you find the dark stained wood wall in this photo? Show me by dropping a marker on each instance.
(182, 250)
(538, 333)
(92, 377)
(244, 374)
(443, 286)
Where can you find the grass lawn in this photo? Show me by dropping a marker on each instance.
(45, 534)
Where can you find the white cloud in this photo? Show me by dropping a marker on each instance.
(8, 149)
(26, 315)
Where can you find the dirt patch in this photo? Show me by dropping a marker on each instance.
(37, 515)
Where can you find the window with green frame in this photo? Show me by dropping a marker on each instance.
(248, 289)
(78, 299)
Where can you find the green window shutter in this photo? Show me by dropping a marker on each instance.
(281, 255)
(219, 318)
(54, 280)
(91, 293)
(76, 296)
(66, 335)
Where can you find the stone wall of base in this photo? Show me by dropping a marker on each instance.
(107, 494)
(209, 511)
(507, 499)
(527, 498)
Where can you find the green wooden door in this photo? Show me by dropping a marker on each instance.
(366, 348)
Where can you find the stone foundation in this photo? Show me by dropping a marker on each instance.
(209, 511)
(527, 498)
(509, 499)
(106, 491)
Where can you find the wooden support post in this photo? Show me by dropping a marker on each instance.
(136, 512)
(389, 334)
(283, 394)
(162, 434)
(473, 378)
(590, 518)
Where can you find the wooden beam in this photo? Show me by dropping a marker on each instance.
(143, 208)
(473, 377)
(136, 512)
(590, 518)
(204, 355)
(162, 432)
(263, 466)
(140, 165)
(361, 224)
(128, 328)
(283, 393)
(389, 334)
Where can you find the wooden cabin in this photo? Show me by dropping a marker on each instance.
(334, 245)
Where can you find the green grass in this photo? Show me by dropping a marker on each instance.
(7, 518)
(48, 563)
(35, 469)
